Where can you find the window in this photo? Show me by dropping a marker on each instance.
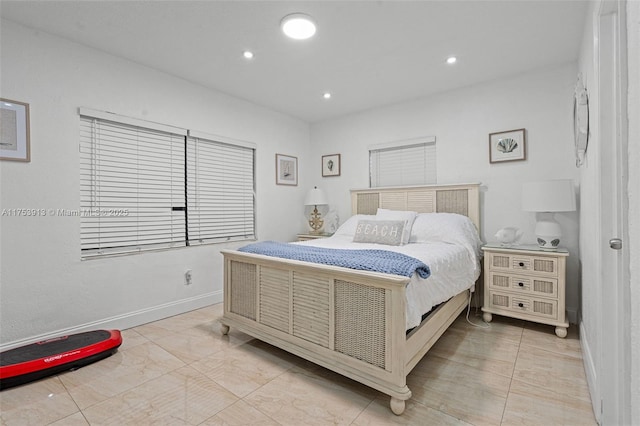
(411, 162)
(148, 186)
(220, 191)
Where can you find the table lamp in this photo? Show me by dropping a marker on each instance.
(316, 197)
(546, 198)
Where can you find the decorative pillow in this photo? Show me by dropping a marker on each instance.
(407, 216)
(387, 232)
(349, 226)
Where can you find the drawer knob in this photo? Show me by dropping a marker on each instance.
(521, 284)
(521, 264)
(520, 305)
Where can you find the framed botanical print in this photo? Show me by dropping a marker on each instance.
(331, 165)
(286, 170)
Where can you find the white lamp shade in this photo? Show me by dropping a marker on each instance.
(315, 197)
(549, 196)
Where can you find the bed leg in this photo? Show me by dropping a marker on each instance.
(397, 406)
(224, 329)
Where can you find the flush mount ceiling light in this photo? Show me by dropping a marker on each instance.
(247, 54)
(298, 26)
(451, 60)
(326, 95)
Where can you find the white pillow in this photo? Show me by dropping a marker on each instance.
(441, 227)
(444, 227)
(407, 216)
(349, 226)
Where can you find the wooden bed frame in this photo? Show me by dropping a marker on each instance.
(351, 322)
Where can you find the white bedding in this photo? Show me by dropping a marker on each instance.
(454, 268)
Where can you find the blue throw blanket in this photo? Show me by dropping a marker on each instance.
(388, 262)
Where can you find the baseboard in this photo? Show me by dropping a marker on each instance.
(128, 320)
(590, 371)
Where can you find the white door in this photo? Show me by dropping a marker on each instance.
(615, 367)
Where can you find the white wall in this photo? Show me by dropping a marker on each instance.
(461, 121)
(46, 289)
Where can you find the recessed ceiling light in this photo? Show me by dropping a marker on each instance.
(298, 26)
(451, 60)
(327, 95)
(247, 54)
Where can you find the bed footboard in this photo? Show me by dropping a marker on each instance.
(351, 322)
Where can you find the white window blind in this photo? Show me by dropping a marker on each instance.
(403, 163)
(132, 183)
(220, 191)
(148, 185)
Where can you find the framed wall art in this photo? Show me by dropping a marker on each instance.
(286, 170)
(14, 131)
(331, 165)
(507, 146)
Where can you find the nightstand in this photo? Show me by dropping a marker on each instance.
(525, 282)
(305, 237)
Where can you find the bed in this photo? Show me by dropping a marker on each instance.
(358, 323)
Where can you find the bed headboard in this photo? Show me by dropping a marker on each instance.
(457, 198)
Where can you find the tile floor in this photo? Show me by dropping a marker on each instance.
(181, 371)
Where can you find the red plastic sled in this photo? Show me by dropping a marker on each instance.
(38, 360)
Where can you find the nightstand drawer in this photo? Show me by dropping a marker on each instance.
(545, 308)
(530, 264)
(532, 285)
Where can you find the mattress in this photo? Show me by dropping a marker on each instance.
(453, 270)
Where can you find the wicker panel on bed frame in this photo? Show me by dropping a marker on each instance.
(461, 199)
(361, 336)
(352, 322)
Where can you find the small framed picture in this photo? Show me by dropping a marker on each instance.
(331, 165)
(14, 131)
(286, 170)
(507, 146)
